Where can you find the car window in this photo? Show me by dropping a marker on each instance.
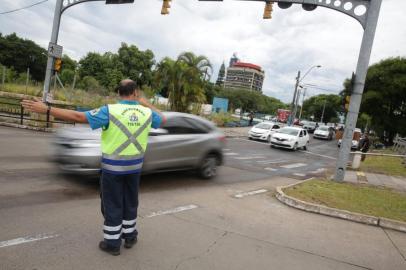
(276, 127)
(301, 134)
(305, 132)
(181, 125)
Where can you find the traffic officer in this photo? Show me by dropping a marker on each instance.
(125, 128)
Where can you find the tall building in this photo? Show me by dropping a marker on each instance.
(222, 75)
(244, 76)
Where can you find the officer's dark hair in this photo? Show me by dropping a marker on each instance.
(127, 87)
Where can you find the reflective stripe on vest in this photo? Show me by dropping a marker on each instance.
(120, 137)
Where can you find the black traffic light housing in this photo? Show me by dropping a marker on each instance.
(112, 2)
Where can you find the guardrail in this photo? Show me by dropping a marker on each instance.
(11, 110)
(399, 145)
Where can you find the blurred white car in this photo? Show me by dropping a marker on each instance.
(324, 132)
(290, 137)
(263, 131)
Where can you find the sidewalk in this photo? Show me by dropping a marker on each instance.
(235, 131)
(359, 177)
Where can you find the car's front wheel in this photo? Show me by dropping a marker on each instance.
(208, 167)
(295, 147)
(268, 139)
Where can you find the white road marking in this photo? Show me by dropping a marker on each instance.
(27, 239)
(319, 170)
(246, 158)
(263, 143)
(231, 154)
(294, 165)
(270, 169)
(272, 161)
(244, 194)
(311, 153)
(226, 149)
(172, 211)
(300, 174)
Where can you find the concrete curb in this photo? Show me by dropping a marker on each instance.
(42, 129)
(338, 213)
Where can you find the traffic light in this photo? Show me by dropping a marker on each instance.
(268, 10)
(119, 2)
(58, 65)
(165, 7)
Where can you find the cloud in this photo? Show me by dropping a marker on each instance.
(293, 40)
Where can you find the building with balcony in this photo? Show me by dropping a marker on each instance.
(244, 76)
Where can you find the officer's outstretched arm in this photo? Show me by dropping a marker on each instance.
(67, 115)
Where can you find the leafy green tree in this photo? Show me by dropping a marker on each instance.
(384, 98)
(21, 54)
(89, 83)
(67, 76)
(68, 63)
(314, 107)
(136, 64)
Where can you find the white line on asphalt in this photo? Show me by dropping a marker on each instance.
(270, 169)
(244, 194)
(311, 153)
(226, 149)
(319, 170)
(300, 174)
(271, 161)
(246, 158)
(294, 165)
(172, 211)
(27, 239)
(231, 154)
(263, 143)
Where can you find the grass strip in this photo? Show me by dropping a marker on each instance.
(384, 165)
(364, 199)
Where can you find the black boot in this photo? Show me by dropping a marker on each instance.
(129, 243)
(109, 249)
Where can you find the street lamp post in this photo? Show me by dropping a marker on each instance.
(293, 109)
(60, 7)
(301, 107)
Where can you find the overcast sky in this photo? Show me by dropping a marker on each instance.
(293, 40)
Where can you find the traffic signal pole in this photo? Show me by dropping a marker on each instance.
(359, 83)
(54, 40)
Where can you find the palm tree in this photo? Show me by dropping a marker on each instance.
(183, 79)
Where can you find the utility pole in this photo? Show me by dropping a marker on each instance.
(324, 108)
(54, 40)
(301, 107)
(293, 107)
(359, 83)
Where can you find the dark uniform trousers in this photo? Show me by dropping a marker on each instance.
(119, 203)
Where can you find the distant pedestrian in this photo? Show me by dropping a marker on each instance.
(251, 116)
(364, 146)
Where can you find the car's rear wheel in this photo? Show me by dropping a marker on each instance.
(208, 167)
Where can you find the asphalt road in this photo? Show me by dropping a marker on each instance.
(52, 221)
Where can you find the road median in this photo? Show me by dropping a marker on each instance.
(384, 207)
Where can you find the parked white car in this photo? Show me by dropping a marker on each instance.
(263, 131)
(291, 138)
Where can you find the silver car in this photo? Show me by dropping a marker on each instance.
(184, 142)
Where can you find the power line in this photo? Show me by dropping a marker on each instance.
(18, 9)
(320, 88)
